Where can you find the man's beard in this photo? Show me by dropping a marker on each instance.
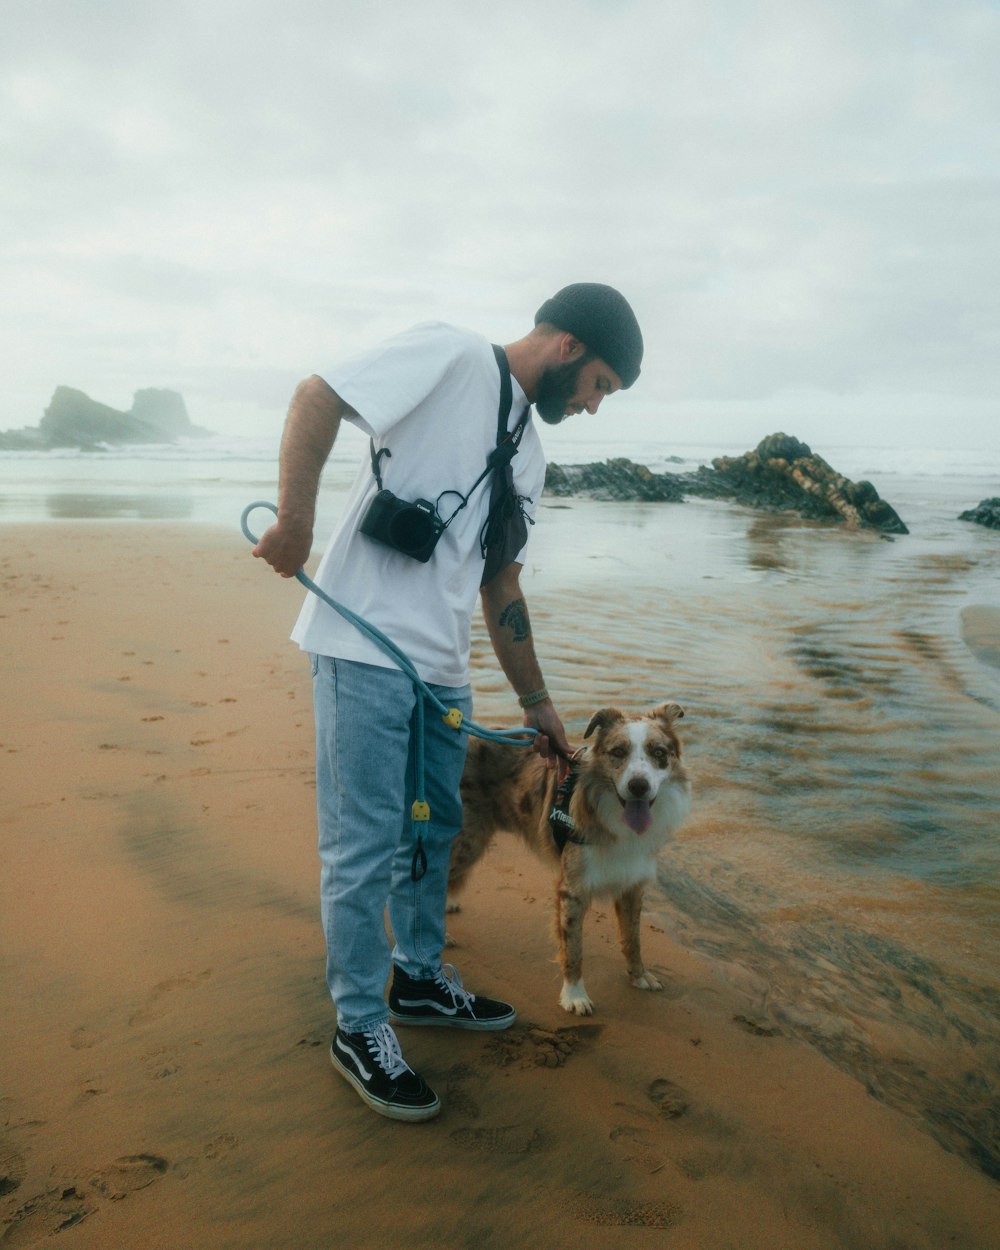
(556, 387)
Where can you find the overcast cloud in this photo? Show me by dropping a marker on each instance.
(800, 199)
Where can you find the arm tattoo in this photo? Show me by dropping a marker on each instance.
(515, 614)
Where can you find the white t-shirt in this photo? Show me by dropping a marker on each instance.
(430, 395)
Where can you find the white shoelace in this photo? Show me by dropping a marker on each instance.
(383, 1046)
(448, 979)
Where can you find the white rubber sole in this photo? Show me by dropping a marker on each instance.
(391, 1111)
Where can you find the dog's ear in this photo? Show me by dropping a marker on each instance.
(602, 719)
(667, 712)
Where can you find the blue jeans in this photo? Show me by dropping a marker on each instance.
(364, 794)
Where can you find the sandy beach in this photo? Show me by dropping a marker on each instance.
(165, 1022)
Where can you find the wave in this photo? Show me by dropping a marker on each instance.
(678, 457)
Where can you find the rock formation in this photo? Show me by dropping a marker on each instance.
(73, 419)
(986, 513)
(780, 474)
(615, 479)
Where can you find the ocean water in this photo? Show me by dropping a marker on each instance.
(841, 867)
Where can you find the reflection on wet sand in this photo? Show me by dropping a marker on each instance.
(93, 507)
(981, 631)
(841, 859)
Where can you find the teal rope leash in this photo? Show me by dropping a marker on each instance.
(420, 812)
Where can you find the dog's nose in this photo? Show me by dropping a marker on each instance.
(638, 787)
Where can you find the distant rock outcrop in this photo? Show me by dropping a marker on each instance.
(780, 474)
(73, 419)
(615, 479)
(986, 513)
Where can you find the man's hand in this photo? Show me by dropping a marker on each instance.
(285, 549)
(311, 427)
(550, 741)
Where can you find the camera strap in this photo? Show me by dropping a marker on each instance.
(497, 463)
(377, 460)
(506, 528)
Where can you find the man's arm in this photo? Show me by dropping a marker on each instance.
(311, 426)
(506, 615)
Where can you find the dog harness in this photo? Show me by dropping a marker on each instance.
(561, 823)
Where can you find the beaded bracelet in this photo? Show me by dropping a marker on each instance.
(536, 696)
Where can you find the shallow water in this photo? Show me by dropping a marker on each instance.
(841, 863)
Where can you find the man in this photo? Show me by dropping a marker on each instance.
(429, 401)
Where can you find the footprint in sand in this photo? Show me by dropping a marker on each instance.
(512, 1139)
(160, 1064)
(156, 1006)
(83, 1038)
(221, 1145)
(532, 1046)
(669, 1099)
(128, 1174)
(12, 1171)
(211, 1152)
(457, 1096)
(625, 1213)
(635, 1142)
(46, 1214)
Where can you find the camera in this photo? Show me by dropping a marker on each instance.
(412, 528)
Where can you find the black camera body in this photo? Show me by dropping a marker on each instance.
(411, 528)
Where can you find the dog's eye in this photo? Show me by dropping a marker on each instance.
(618, 753)
(660, 756)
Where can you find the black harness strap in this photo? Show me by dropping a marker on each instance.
(561, 824)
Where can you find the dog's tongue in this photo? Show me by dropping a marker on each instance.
(637, 815)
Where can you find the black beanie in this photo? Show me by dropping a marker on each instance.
(600, 317)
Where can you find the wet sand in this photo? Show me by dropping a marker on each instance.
(164, 1018)
(981, 631)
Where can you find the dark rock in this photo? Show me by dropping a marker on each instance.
(73, 419)
(987, 513)
(612, 480)
(780, 474)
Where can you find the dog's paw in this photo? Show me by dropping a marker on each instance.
(575, 999)
(646, 981)
(452, 907)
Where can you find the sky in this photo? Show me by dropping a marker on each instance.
(801, 201)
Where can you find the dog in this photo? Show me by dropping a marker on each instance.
(626, 794)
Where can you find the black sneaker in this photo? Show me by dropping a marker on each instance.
(442, 1000)
(374, 1065)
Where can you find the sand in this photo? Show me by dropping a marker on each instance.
(981, 631)
(165, 1023)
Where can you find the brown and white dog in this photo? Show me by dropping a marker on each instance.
(629, 792)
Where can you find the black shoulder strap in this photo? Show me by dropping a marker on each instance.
(506, 398)
(506, 392)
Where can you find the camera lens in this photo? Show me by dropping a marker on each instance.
(411, 528)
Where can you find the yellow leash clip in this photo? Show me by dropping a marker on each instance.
(420, 810)
(453, 717)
